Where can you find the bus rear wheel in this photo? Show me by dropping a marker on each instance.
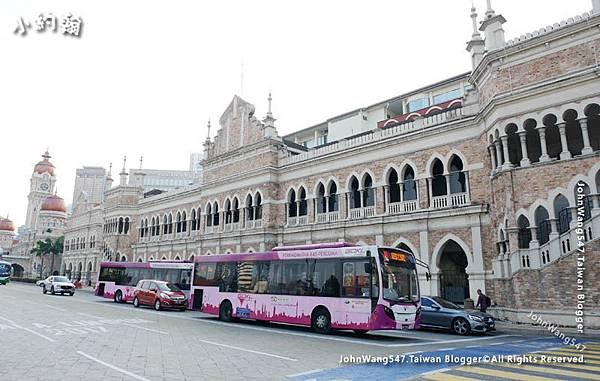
(118, 297)
(321, 320)
(226, 311)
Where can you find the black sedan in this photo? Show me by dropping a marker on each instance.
(440, 313)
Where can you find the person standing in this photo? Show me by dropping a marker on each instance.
(483, 302)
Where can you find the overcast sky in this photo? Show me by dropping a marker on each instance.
(145, 76)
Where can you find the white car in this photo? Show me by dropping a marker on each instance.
(58, 285)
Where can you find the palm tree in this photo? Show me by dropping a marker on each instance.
(48, 247)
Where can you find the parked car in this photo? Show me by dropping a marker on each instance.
(159, 294)
(58, 285)
(40, 283)
(440, 313)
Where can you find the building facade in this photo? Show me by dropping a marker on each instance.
(491, 177)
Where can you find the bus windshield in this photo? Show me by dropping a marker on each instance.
(399, 277)
(4, 268)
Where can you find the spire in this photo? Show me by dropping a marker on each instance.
(208, 130)
(476, 45)
(109, 179)
(489, 13)
(269, 121)
(269, 113)
(123, 174)
(109, 176)
(141, 161)
(46, 155)
(475, 35)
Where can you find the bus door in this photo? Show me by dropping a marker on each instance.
(356, 290)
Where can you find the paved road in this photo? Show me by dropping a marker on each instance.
(46, 337)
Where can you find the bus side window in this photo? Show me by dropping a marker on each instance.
(246, 276)
(374, 279)
(325, 278)
(227, 278)
(263, 276)
(356, 279)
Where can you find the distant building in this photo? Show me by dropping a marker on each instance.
(196, 163)
(90, 183)
(161, 179)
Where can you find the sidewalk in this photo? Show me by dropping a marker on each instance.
(509, 327)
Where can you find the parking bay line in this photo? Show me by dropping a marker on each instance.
(311, 336)
(28, 330)
(128, 325)
(247, 350)
(133, 375)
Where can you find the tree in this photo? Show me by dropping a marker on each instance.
(48, 247)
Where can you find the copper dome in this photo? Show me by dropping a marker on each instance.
(6, 225)
(44, 165)
(54, 204)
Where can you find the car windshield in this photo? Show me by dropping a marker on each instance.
(446, 304)
(168, 287)
(60, 279)
(399, 277)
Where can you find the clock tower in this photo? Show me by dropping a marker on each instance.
(42, 183)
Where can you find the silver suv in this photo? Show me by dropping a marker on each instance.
(58, 285)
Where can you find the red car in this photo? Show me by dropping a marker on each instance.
(159, 294)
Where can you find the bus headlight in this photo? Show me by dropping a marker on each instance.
(388, 311)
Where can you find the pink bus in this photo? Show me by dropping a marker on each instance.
(325, 286)
(116, 280)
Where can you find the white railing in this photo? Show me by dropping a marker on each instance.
(439, 201)
(402, 207)
(208, 229)
(459, 199)
(355, 213)
(235, 225)
(258, 223)
(367, 211)
(302, 220)
(292, 221)
(328, 217)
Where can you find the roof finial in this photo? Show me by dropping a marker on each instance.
(208, 130)
(141, 161)
(269, 113)
(46, 155)
(124, 164)
(109, 169)
(476, 35)
(489, 13)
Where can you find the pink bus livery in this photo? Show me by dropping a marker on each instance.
(325, 286)
(116, 280)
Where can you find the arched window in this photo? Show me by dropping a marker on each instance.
(152, 227)
(409, 185)
(215, 214)
(193, 219)
(524, 234)
(543, 225)
(438, 183)
(292, 204)
(393, 186)
(457, 176)
(562, 213)
(249, 208)
(228, 212)
(368, 191)
(209, 217)
(333, 197)
(139, 259)
(120, 229)
(178, 224)
(126, 227)
(236, 210)
(170, 223)
(582, 198)
(354, 193)
(184, 221)
(258, 206)
(302, 202)
(165, 225)
(321, 200)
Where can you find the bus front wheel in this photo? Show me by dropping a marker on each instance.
(321, 320)
(226, 311)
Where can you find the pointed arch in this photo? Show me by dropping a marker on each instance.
(437, 250)
(404, 241)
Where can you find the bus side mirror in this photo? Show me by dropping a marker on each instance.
(427, 276)
(368, 268)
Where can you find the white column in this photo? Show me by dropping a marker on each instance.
(507, 164)
(525, 162)
(544, 149)
(492, 150)
(498, 155)
(386, 197)
(562, 129)
(430, 186)
(587, 148)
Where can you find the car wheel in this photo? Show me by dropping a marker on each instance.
(44, 289)
(52, 290)
(226, 311)
(136, 302)
(157, 305)
(71, 293)
(118, 297)
(321, 320)
(461, 326)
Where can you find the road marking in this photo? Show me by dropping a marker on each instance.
(446, 377)
(28, 330)
(502, 374)
(546, 369)
(307, 335)
(47, 305)
(147, 329)
(501, 343)
(247, 350)
(304, 373)
(133, 375)
(445, 349)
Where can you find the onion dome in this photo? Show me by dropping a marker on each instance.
(6, 225)
(45, 165)
(54, 204)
